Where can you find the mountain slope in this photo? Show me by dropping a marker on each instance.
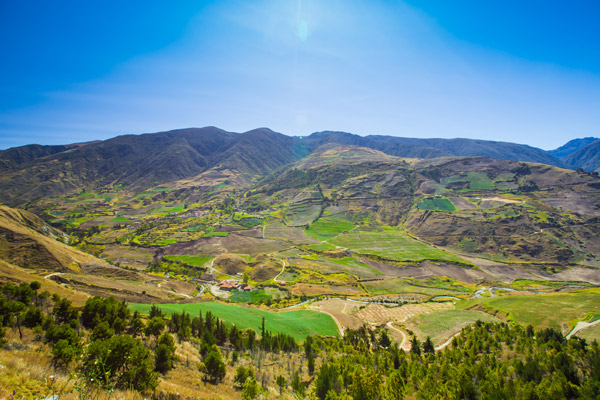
(431, 148)
(27, 241)
(587, 157)
(142, 161)
(571, 146)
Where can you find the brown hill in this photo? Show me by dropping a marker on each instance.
(27, 241)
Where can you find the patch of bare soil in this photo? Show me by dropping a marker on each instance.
(466, 275)
(255, 233)
(265, 271)
(503, 272)
(309, 289)
(130, 291)
(230, 264)
(341, 310)
(591, 275)
(210, 246)
(132, 257)
(179, 287)
(380, 314)
(235, 243)
(573, 201)
(462, 204)
(396, 271)
(110, 271)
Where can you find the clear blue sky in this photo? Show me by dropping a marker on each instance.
(521, 71)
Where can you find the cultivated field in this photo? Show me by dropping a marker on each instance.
(441, 325)
(298, 324)
(392, 244)
(554, 310)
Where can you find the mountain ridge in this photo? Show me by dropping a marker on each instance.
(151, 159)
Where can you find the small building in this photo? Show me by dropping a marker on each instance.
(229, 285)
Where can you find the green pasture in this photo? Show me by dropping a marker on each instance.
(553, 310)
(436, 204)
(590, 334)
(391, 243)
(439, 326)
(476, 180)
(297, 324)
(196, 261)
(329, 227)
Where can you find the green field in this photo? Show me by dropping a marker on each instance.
(476, 180)
(423, 286)
(439, 326)
(555, 310)
(590, 334)
(391, 243)
(255, 296)
(196, 261)
(437, 204)
(329, 227)
(297, 324)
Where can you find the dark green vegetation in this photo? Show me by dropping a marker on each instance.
(110, 348)
(436, 204)
(487, 360)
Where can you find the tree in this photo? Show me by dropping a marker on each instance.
(215, 367)
(136, 325)
(415, 346)
(109, 310)
(164, 353)
(35, 286)
(251, 389)
(327, 380)
(120, 362)
(155, 327)
(385, 341)
(64, 312)
(156, 312)
(63, 352)
(102, 331)
(241, 374)
(281, 383)
(297, 384)
(33, 317)
(311, 364)
(395, 387)
(428, 346)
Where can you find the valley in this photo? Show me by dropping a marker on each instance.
(333, 238)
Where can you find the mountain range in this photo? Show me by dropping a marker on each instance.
(32, 172)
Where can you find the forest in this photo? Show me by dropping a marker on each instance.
(103, 348)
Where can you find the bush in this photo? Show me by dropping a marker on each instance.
(120, 362)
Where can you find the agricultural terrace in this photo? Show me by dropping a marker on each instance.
(329, 227)
(392, 244)
(436, 204)
(297, 324)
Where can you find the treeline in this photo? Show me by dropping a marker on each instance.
(487, 361)
(111, 348)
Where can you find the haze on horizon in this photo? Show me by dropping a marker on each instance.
(525, 73)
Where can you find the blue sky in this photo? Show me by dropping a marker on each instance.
(521, 71)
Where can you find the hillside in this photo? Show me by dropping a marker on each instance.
(431, 148)
(571, 146)
(29, 242)
(205, 157)
(587, 157)
(142, 161)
